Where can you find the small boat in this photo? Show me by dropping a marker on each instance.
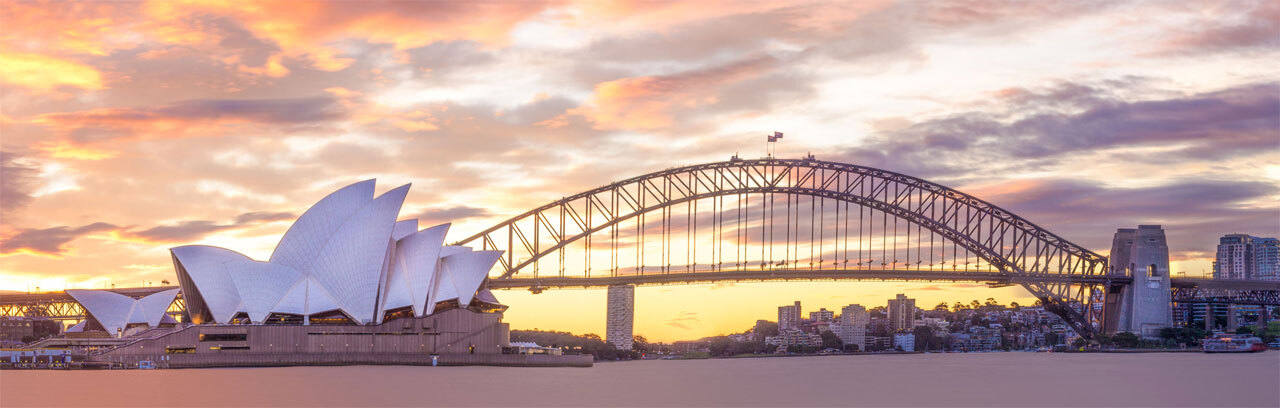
(1234, 343)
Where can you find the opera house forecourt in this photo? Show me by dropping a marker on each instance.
(347, 284)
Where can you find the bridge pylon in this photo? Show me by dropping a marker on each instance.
(1142, 307)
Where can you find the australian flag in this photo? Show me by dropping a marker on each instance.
(775, 137)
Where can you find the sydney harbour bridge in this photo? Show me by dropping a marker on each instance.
(774, 219)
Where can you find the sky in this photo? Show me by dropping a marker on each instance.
(127, 128)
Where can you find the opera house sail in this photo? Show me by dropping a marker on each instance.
(348, 283)
(346, 259)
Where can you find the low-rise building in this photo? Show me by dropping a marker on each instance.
(904, 341)
(977, 339)
(877, 343)
(19, 329)
(792, 338)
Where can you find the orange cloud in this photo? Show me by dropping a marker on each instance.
(86, 28)
(650, 102)
(312, 31)
(66, 150)
(43, 73)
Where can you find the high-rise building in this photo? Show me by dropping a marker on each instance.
(789, 316)
(1242, 256)
(852, 327)
(902, 313)
(1235, 257)
(620, 315)
(1266, 256)
(853, 315)
(822, 315)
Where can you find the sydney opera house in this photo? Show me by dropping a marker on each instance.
(347, 284)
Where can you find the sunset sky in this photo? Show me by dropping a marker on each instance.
(127, 128)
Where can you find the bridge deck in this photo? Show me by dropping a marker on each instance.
(791, 275)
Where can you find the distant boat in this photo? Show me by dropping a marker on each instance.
(1236, 343)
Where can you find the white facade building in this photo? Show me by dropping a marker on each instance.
(905, 341)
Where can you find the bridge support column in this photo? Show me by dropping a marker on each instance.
(1264, 317)
(1208, 318)
(1233, 321)
(1145, 306)
(620, 316)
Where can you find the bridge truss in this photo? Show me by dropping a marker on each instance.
(785, 218)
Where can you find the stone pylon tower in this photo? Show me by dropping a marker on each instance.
(1142, 307)
(620, 316)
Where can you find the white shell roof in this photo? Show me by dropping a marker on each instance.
(416, 260)
(305, 239)
(345, 253)
(114, 311)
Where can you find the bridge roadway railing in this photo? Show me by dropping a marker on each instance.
(756, 275)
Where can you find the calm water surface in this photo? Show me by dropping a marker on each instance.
(999, 379)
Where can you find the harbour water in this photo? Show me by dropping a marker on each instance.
(980, 379)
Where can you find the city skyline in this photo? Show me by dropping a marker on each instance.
(131, 128)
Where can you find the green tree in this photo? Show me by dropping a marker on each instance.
(1244, 330)
(975, 304)
(991, 302)
(957, 307)
(830, 340)
(640, 344)
(1126, 340)
(764, 328)
(1051, 339)
(1014, 305)
(924, 338)
(720, 345)
(1104, 339)
(1080, 342)
(1190, 336)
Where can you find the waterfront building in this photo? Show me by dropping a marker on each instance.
(789, 317)
(1242, 256)
(877, 343)
(904, 341)
(793, 338)
(21, 329)
(901, 313)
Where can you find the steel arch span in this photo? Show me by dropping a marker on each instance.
(733, 207)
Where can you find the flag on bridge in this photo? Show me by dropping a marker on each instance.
(775, 137)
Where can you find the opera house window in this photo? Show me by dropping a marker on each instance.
(224, 336)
